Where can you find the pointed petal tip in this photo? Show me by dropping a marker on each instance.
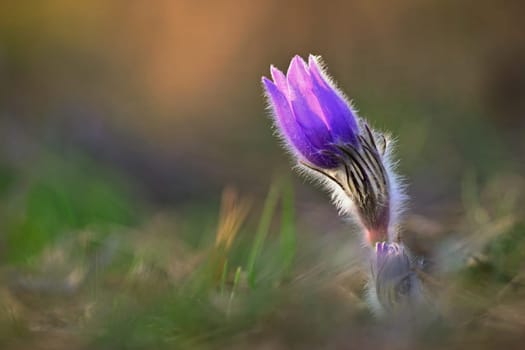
(298, 73)
(316, 64)
(278, 78)
(269, 85)
(297, 57)
(265, 80)
(312, 58)
(296, 62)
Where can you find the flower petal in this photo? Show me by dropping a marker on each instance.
(290, 130)
(305, 107)
(300, 86)
(340, 117)
(280, 80)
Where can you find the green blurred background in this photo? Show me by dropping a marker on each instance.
(123, 122)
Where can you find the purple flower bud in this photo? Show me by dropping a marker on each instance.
(312, 115)
(335, 146)
(355, 163)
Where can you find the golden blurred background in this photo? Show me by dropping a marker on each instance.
(169, 92)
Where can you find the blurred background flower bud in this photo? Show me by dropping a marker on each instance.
(394, 283)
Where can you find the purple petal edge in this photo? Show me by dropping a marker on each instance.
(341, 118)
(291, 131)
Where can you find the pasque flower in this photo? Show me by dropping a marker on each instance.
(332, 143)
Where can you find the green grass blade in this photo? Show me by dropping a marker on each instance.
(288, 240)
(224, 275)
(262, 231)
